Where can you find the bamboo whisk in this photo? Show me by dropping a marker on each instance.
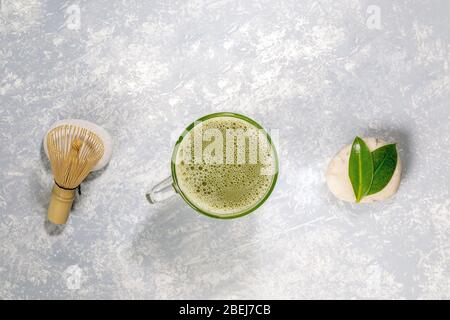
(73, 151)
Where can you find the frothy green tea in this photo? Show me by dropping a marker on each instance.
(235, 172)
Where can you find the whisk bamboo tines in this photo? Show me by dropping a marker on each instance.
(73, 152)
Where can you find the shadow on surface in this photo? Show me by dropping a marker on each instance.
(402, 138)
(53, 229)
(190, 248)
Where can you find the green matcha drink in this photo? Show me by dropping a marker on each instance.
(225, 166)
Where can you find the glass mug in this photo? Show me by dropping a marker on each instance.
(224, 165)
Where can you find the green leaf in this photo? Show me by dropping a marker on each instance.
(384, 164)
(360, 168)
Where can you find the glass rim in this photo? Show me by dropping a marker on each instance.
(174, 174)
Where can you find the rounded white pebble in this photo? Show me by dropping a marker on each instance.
(339, 183)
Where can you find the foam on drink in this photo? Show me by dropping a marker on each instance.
(215, 185)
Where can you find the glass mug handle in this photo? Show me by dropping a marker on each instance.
(161, 191)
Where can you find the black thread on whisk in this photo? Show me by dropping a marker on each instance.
(64, 188)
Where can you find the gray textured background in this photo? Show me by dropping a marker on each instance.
(315, 70)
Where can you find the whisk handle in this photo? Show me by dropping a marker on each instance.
(60, 205)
